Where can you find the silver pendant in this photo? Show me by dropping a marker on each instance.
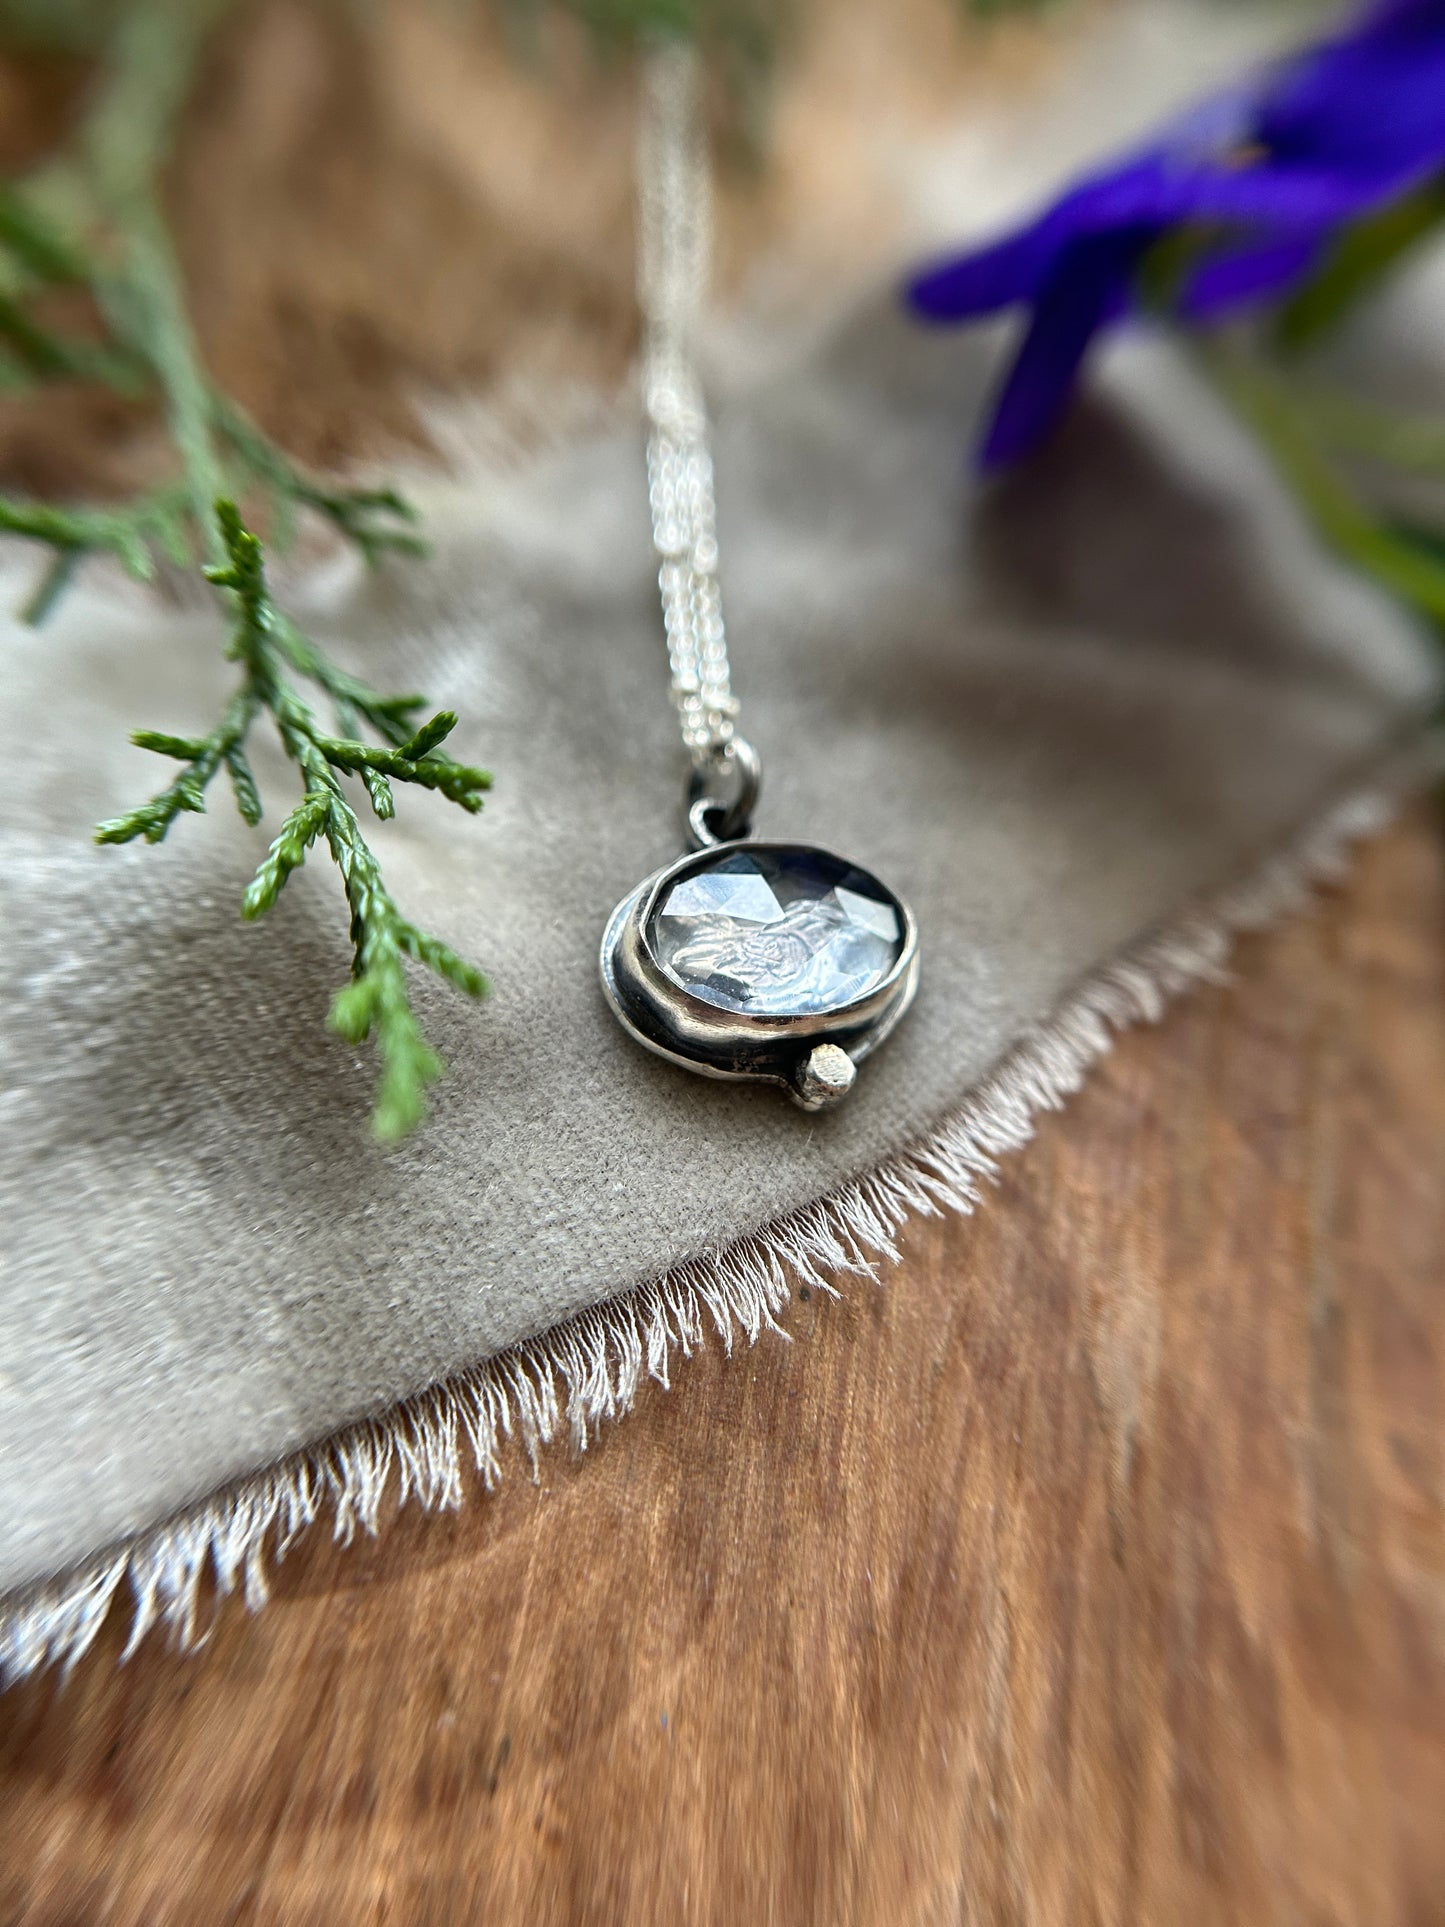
(769, 962)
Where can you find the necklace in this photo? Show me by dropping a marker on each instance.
(746, 959)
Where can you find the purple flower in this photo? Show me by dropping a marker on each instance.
(1262, 178)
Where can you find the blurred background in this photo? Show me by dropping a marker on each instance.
(375, 204)
(396, 224)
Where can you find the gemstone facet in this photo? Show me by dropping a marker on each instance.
(776, 931)
(762, 962)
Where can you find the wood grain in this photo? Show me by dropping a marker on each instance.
(1093, 1569)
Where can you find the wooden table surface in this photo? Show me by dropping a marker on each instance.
(1091, 1568)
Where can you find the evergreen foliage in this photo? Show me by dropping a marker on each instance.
(91, 221)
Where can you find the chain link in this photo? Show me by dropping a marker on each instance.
(674, 245)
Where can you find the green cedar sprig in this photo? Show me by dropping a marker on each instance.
(92, 221)
(268, 647)
(38, 256)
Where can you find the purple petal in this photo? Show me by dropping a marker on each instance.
(1153, 192)
(1375, 110)
(1019, 265)
(1387, 15)
(1369, 100)
(1269, 171)
(1089, 289)
(1239, 276)
(1269, 196)
(1167, 184)
(993, 277)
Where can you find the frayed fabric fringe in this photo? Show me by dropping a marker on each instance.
(582, 1373)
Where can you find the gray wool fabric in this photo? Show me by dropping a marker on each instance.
(1051, 715)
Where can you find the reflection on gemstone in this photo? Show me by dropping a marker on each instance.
(726, 893)
(777, 933)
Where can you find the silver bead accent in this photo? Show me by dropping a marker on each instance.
(825, 1077)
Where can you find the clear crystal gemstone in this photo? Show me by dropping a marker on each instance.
(777, 933)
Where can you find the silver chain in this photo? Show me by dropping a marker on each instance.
(674, 245)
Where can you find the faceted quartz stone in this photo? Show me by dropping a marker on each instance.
(786, 932)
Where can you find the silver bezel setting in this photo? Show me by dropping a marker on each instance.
(799, 1052)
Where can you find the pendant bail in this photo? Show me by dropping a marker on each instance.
(722, 795)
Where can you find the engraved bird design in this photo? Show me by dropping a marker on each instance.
(747, 959)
